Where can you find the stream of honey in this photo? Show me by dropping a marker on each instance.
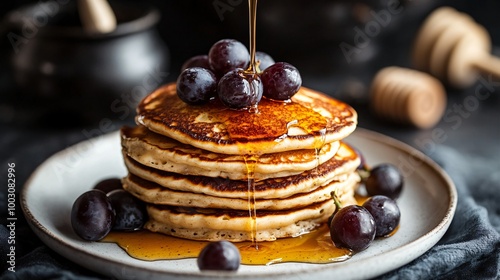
(251, 161)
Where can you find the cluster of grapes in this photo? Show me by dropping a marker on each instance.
(355, 227)
(225, 73)
(104, 208)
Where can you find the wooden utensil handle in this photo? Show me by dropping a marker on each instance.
(488, 64)
(96, 16)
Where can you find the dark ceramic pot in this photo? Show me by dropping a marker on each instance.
(61, 72)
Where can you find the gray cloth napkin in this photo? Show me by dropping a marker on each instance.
(470, 249)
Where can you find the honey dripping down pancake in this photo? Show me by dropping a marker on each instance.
(155, 194)
(309, 121)
(163, 153)
(337, 169)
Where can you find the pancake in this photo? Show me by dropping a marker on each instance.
(308, 122)
(156, 194)
(232, 225)
(207, 172)
(160, 152)
(338, 168)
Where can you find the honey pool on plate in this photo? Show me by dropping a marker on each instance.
(313, 247)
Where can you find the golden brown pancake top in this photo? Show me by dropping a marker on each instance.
(214, 127)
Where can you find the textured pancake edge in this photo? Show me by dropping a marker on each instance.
(169, 160)
(156, 194)
(180, 182)
(224, 227)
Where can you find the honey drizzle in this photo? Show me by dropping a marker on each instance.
(251, 159)
(252, 23)
(318, 146)
(250, 162)
(272, 121)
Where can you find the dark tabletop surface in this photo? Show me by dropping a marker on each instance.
(470, 126)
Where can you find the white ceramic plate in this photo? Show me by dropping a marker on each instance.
(427, 204)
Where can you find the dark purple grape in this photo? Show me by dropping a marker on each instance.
(385, 212)
(130, 212)
(108, 185)
(352, 227)
(281, 81)
(92, 216)
(196, 85)
(226, 55)
(196, 61)
(238, 89)
(220, 255)
(385, 179)
(264, 60)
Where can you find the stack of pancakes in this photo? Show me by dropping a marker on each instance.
(210, 173)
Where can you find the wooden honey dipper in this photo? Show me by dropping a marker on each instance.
(407, 96)
(97, 16)
(451, 46)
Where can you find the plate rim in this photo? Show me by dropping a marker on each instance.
(48, 236)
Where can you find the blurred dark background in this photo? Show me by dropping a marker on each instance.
(306, 34)
(318, 37)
